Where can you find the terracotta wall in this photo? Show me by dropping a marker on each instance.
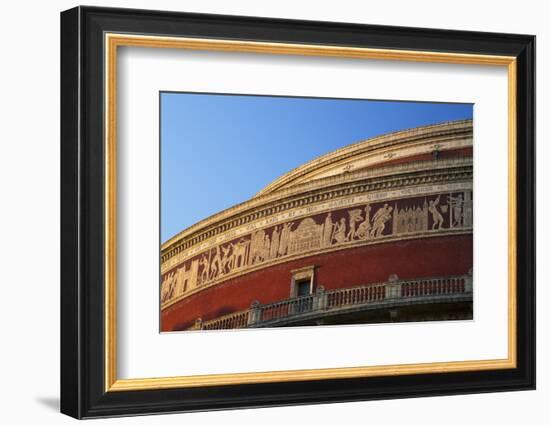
(434, 256)
(337, 215)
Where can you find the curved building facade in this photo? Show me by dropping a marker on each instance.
(377, 231)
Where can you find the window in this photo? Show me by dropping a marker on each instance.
(302, 282)
(303, 287)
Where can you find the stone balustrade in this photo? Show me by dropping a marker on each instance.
(392, 292)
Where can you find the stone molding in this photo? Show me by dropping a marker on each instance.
(315, 191)
(441, 136)
(370, 218)
(348, 197)
(397, 141)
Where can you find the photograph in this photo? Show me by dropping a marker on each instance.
(281, 211)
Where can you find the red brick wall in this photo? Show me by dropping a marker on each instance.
(435, 256)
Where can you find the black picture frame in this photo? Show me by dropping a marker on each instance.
(83, 393)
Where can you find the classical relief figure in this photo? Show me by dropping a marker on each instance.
(364, 228)
(226, 259)
(163, 290)
(167, 287)
(274, 243)
(205, 263)
(181, 277)
(257, 242)
(467, 213)
(328, 228)
(285, 238)
(456, 210)
(260, 247)
(355, 216)
(266, 249)
(215, 264)
(339, 234)
(436, 215)
(379, 220)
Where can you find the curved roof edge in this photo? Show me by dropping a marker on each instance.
(331, 159)
(290, 179)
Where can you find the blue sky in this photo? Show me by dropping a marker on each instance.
(219, 150)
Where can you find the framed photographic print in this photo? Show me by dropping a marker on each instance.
(261, 212)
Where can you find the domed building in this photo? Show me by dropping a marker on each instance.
(377, 231)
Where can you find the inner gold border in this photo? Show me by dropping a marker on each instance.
(113, 41)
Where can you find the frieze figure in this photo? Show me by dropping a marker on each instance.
(215, 263)
(328, 228)
(179, 285)
(468, 210)
(266, 249)
(455, 205)
(339, 234)
(257, 242)
(285, 238)
(355, 216)
(272, 243)
(205, 264)
(259, 247)
(164, 290)
(363, 231)
(379, 220)
(226, 259)
(437, 218)
(167, 287)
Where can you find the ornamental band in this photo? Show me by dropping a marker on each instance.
(377, 231)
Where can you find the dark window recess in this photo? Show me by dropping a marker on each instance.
(303, 288)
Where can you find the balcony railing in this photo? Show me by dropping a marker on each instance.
(339, 300)
(230, 321)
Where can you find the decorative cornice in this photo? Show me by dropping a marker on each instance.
(425, 135)
(332, 187)
(439, 135)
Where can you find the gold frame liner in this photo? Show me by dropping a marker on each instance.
(113, 41)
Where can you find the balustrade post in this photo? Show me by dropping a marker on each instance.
(468, 282)
(320, 299)
(198, 325)
(392, 287)
(254, 316)
(393, 290)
